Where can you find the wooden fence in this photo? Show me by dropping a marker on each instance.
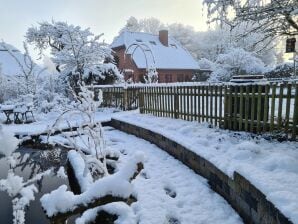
(257, 108)
(119, 97)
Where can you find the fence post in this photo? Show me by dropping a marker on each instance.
(253, 108)
(176, 103)
(295, 115)
(272, 111)
(226, 106)
(240, 122)
(125, 98)
(266, 109)
(141, 101)
(288, 108)
(259, 109)
(280, 106)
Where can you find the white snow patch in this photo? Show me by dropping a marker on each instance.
(61, 173)
(8, 143)
(194, 202)
(82, 173)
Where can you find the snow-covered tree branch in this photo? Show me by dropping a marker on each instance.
(272, 17)
(77, 52)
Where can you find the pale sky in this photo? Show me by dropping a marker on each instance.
(101, 16)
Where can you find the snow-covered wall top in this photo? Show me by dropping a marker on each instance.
(173, 56)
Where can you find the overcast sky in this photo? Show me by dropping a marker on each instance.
(102, 16)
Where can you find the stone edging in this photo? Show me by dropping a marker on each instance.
(249, 202)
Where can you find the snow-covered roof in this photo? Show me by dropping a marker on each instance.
(173, 56)
(8, 65)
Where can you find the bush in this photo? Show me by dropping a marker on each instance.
(236, 61)
(284, 70)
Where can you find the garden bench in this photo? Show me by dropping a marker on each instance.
(20, 113)
(7, 110)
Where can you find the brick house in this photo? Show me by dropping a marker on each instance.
(134, 52)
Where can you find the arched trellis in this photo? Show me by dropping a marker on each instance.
(144, 48)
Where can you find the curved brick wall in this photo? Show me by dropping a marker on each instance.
(250, 203)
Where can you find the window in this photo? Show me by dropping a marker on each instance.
(138, 40)
(173, 45)
(152, 42)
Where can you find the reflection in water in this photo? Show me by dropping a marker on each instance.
(30, 163)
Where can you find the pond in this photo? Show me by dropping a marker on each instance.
(31, 162)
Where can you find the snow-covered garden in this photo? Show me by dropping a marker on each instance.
(70, 102)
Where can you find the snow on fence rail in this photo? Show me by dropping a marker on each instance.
(257, 108)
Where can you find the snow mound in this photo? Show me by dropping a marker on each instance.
(8, 142)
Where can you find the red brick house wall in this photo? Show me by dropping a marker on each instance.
(168, 76)
(127, 63)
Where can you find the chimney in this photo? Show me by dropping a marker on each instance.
(164, 37)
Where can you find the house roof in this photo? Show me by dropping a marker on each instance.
(8, 65)
(172, 57)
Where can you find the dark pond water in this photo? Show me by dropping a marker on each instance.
(30, 163)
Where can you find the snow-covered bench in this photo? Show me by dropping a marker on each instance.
(7, 110)
(21, 112)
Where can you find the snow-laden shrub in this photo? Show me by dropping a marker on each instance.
(284, 70)
(202, 76)
(220, 74)
(89, 161)
(151, 76)
(8, 142)
(236, 61)
(91, 134)
(204, 63)
(8, 89)
(51, 94)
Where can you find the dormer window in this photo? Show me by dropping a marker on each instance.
(173, 45)
(139, 40)
(152, 42)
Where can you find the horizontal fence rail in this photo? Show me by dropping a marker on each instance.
(257, 108)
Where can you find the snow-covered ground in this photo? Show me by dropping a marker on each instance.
(271, 166)
(168, 190)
